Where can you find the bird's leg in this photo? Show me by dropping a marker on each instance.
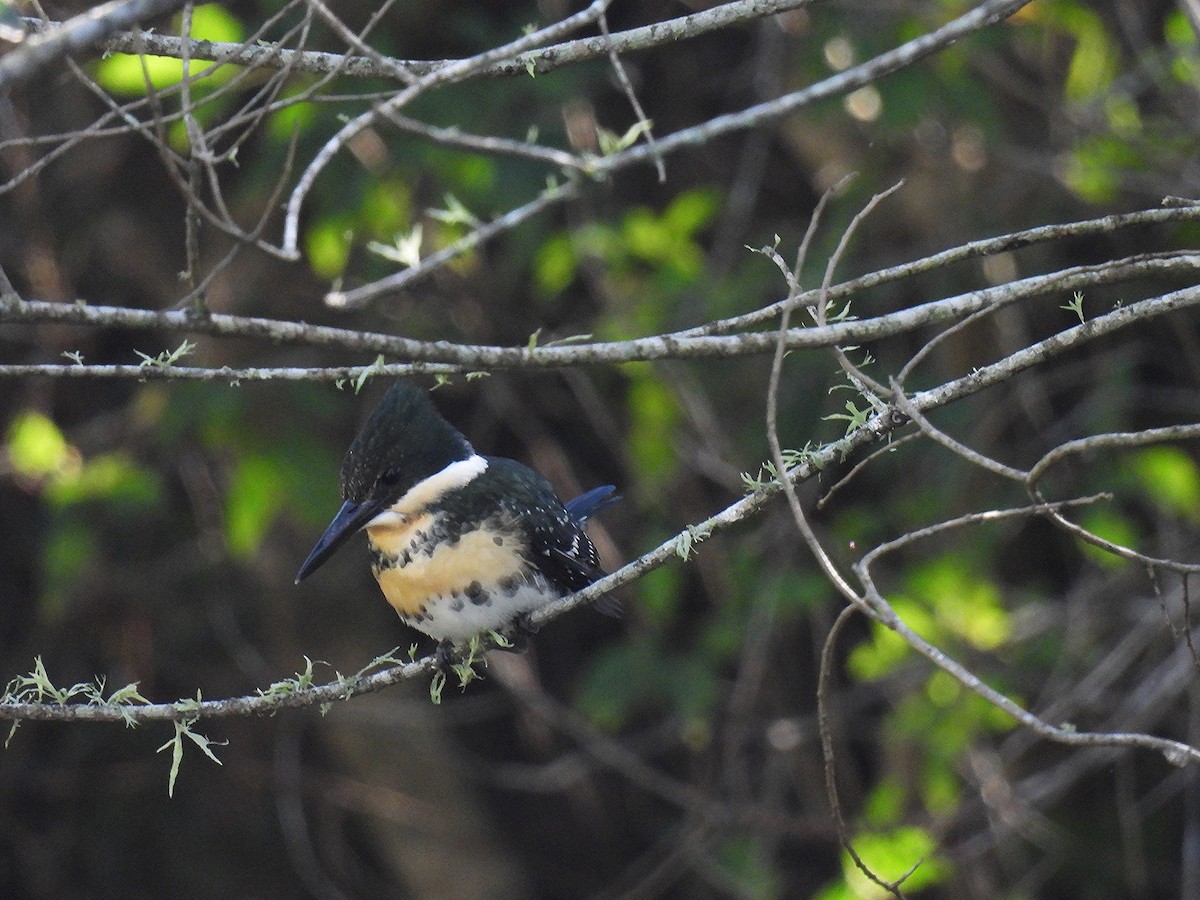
(445, 657)
(519, 633)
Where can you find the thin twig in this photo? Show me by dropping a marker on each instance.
(357, 297)
(618, 67)
(444, 76)
(824, 678)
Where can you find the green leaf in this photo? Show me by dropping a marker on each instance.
(1094, 64)
(256, 493)
(1179, 31)
(618, 679)
(1112, 527)
(387, 207)
(327, 246)
(122, 73)
(292, 118)
(36, 446)
(68, 549)
(654, 415)
(113, 476)
(1096, 168)
(691, 211)
(749, 867)
(889, 855)
(555, 265)
(964, 603)
(885, 803)
(1170, 478)
(886, 650)
(659, 595)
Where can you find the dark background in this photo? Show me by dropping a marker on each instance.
(673, 752)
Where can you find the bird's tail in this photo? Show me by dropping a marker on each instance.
(591, 502)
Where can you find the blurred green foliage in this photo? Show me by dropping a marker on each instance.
(74, 487)
(1169, 478)
(124, 74)
(890, 856)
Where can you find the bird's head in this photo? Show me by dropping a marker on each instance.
(404, 442)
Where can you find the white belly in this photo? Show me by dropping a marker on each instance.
(459, 618)
(454, 591)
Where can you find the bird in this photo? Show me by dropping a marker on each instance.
(461, 543)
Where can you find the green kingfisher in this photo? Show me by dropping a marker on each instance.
(460, 543)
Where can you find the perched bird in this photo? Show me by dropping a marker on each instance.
(461, 543)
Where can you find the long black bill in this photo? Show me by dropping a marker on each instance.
(349, 519)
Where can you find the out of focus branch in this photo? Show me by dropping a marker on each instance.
(86, 30)
(539, 62)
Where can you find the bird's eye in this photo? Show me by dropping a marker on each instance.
(390, 477)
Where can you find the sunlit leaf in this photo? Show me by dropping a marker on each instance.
(327, 246)
(963, 601)
(555, 265)
(1095, 60)
(691, 211)
(36, 446)
(889, 855)
(1112, 527)
(386, 207)
(1090, 175)
(292, 118)
(122, 73)
(112, 476)
(655, 414)
(943, 689)
(1170, 477)
(255, 497)
(885, 803)
(886, 650)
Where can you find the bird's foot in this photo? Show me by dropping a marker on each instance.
(518, 634)
(445, 657)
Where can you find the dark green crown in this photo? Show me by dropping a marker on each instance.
(404, 441)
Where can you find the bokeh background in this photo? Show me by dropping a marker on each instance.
(150, 532)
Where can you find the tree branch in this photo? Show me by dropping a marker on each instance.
(82, 32)
(669, 346)
(541, 61)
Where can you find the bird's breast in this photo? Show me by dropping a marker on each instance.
(454, 586)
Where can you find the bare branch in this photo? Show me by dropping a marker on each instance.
(374, 65)
(510, 220)
(470, 356)
(972, 250)
(84, 31)
(979, 18)
(447, 75)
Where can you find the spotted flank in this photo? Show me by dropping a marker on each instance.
(460, 615)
